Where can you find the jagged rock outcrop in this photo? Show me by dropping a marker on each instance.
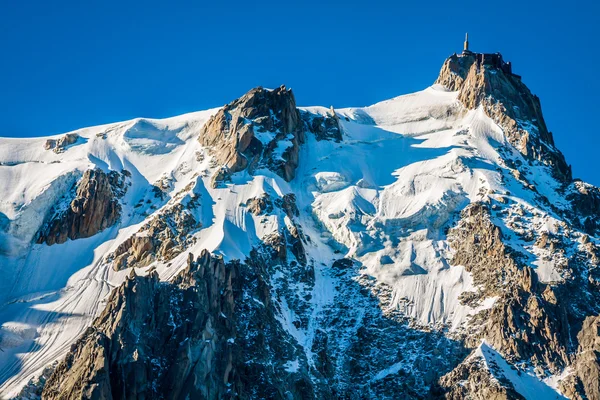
(585, 200)
(484, 80)
(220, 177)
(93, 208)
(260, 205)
(293, 233)
(34, 388)
(525, 322)
(211, 333)
(473, 379)
(584, 381)
(155, 340)
(529, 322)
(260, 129)
(167, 235)
(324, 127)
(366, 354)
(59, 145)
(275, 365)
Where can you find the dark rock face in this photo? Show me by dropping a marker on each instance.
(585, 200)
(324, 127)
(530, 321)
(95, 207)
(525, 322)
(586, 379)
(211, 333)
(225, 330)
(158, 341)
(509, 102)
(260, 205)
(364, 353)
(293, 234)
(584, 382)
(274, 364)
(247, 132)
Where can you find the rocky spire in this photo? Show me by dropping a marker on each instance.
(246, 132)
(486, 80)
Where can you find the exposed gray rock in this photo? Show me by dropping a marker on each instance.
(163, 238)
(155, 340)
(93, 208)
(324, 127)
(585, 200)
(60, 145)
(584, 382)
(246, 132)
(34, 388)
(366, 354)
(288, 204)
(530, 322)
(525, 323)
(220, 177)
(472, 379)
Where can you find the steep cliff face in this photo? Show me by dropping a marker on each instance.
(508, 101)
(543, 325)
(155, 340)
(95, 207)
(585, 206)
(585, 380)
(479, 379)
(261, 128)
(525, 321)
(325, 126)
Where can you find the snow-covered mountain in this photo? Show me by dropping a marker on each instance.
(431, 245)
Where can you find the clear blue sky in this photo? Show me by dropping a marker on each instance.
(71, 64)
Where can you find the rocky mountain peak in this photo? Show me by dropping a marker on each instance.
(260, 129)
(487, 80)
(93, 207)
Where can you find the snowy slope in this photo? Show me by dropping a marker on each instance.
(383, 196)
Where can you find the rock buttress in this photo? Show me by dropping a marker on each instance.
(157, 340)
(95, 207)
(547, 326)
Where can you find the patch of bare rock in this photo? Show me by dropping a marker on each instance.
(93, 207)
(59, 145)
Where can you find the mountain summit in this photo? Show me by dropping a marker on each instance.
(433, 245)
(486, 80)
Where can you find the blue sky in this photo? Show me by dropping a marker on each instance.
(71, 64)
